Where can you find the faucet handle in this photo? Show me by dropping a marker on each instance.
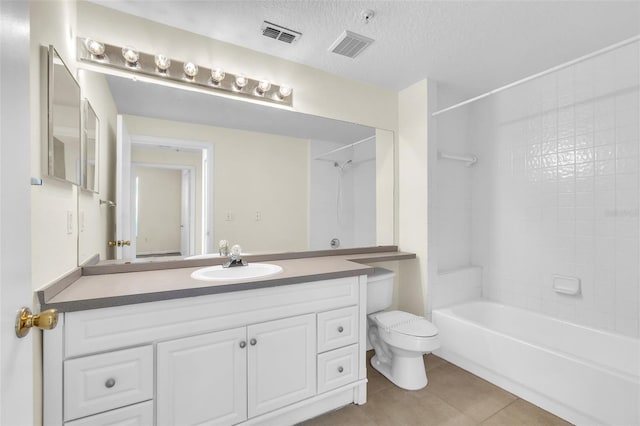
(236, 250)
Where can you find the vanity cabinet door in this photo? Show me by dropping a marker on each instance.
(281, 362)
(202, 379)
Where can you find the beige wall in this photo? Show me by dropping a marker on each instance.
(159, 210)
(150, 155)
(95, 221)
(413, 180)
(315, 92)
(54, 251)
(280, 194)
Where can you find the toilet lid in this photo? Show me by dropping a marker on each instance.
(406, 323)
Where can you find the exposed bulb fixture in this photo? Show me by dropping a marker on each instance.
(161, 67)
(190, 69)
(263, 87)
(162, 62)
(130, 55)
(284, 91)
(94, 47)
(241, 81)
(217, 75)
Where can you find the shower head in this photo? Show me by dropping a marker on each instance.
(341, 166)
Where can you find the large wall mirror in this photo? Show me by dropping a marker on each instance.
(194, 169)
(63, 160)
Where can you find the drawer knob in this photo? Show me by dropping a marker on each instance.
(340, 329)
(243, 344)
(110, 383)
(340, 369)
(253, 342)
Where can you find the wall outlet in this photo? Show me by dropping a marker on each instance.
(258, 215)
(69, 222)
(228, 217)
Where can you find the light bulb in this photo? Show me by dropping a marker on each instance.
(217, 75)
(162, 62)
(263, 87)
(284, 91)
(241, 81)
(130, 55)
(94, 47)
(190, 69)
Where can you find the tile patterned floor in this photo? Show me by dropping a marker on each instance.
(453, 397)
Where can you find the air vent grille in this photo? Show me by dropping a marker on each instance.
(350, 44)
(280, 33)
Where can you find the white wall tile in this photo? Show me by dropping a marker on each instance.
(557, 191)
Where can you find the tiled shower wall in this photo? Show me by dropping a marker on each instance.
(556, 191)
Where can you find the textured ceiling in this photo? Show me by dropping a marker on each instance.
(471, 46)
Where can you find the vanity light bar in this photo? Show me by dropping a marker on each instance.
(188, 73)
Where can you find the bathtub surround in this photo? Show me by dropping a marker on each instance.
(557, 192)
(554, 193)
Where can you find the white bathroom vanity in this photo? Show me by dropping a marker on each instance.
(277, 351)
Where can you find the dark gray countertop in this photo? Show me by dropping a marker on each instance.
(115, 289)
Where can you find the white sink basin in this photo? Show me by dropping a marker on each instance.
(252, 270)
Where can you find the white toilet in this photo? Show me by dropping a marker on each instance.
(399, 339)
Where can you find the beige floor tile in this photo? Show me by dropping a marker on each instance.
(350, 415)
(471, 395)
(524, 413)
(398, 407)
(432, 361)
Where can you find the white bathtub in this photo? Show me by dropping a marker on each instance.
(586, 376)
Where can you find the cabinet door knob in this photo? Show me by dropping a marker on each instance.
(110, 383)
(340, 329)
(243, 344)
(340, 369)
(253, 342)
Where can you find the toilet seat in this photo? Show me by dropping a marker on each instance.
(407, 331)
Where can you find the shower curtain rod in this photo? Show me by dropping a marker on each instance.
(540, 74)
(319, 157)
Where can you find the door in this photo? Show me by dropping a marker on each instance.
(16, 355)
(281, 363)
(124, 219)
(202, 379)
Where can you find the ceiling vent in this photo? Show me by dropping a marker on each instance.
(277, 32)
(350, 44)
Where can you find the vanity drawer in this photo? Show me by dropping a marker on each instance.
(98, 383)
(337, 368)
(133, 415)
(337, 328)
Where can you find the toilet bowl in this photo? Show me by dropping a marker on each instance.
(399, 339)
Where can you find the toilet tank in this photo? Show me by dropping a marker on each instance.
(379, 290)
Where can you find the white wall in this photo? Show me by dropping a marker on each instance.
(452, 197)
(556, 192)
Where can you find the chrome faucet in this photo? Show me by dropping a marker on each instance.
(223, 248)
(235, 259)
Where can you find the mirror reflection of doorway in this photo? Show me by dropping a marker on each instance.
(164, 209)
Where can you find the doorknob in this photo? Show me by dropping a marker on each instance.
(119, 243)
(25, 320)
